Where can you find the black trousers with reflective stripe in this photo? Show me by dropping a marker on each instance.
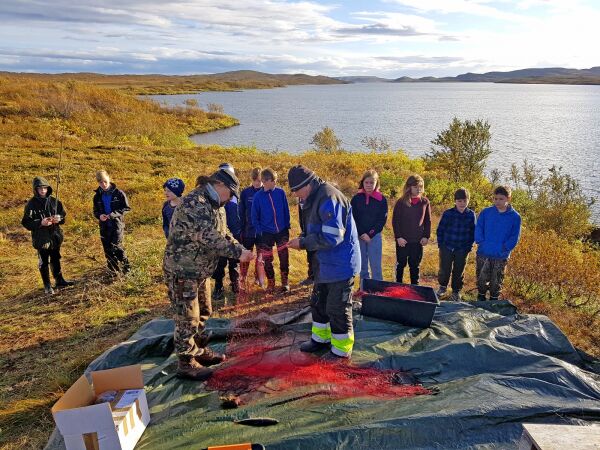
(332, 303)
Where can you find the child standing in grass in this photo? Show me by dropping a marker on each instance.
(455, 236)
(174, 188)
(370, 210)
(496, 234)
(411, 221)
(245, 211)
(110, 206)
(43, 216)
(271, 220)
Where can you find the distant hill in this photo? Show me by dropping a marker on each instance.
(364, 79)
(550, 75)
(185, 84)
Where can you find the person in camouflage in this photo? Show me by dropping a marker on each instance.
(197, 238)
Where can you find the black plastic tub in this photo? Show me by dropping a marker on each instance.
(413, 313)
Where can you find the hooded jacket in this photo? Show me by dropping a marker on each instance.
(331, 233)
(497, 233)
(119, 205)
(50, 237)
(197, 238)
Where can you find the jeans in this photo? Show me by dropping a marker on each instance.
(370, 255)
(452, 262)
(411, 254)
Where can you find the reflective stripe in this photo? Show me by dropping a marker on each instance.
(341, 344)
(332, 230)
(321, 332)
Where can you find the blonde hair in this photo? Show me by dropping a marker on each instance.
(102, 175)
(371, 173)
(413, 180)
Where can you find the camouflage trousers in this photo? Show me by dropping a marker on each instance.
(490, 275)
(191, 305)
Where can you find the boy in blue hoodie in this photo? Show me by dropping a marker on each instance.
(497, 232)
(271, 220)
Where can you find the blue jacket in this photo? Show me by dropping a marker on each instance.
(270, 211)
(233, 218)
(245, 210)
(331, 233)
(496, 233)
(456, 231)
(167, 215)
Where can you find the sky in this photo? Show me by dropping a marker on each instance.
(386, 38)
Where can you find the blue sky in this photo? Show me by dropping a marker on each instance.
(388, 38)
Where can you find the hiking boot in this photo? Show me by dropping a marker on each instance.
(209, 357)
(332, 358)
(313, 346)
(455, 297)
(441, 291)
(218, 293)
(191, 369)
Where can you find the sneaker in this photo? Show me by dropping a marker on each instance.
(455, 297)
(307, 282)
(48, 289)
(209, 357)
(441, 291)
(285, 288)
(313, 346)
(218, 293)
(331, 357)
(191, 369)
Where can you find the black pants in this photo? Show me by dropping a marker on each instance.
(311, 269)
(219, 272)
(411, 254)
(265, 245)
(332, 303)
(49, 258)
(452, 262)
(112, 243)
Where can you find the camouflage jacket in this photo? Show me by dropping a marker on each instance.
(197, 237)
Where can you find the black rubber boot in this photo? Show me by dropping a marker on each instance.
(58, 276)
(313, 346)
(45, 273)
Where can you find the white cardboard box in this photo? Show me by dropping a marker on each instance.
(86, 426)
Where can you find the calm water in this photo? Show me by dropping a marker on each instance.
(547, 124)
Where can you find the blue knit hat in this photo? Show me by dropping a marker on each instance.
(175, 185)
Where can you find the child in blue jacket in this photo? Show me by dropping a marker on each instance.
(271, 220)
(497, 232)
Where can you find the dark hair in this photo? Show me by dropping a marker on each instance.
(255, 174)
(268, 174)
(203, 180)
(462, 194)
(503, 190)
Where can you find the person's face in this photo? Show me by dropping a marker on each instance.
(268, 184)
(369, 184)
(501, 201)
(256, 183)
(42, 190)
(224, 193)
(104, 184)
(302, 193)
(461, 204)
(169, 195)
(416, 190)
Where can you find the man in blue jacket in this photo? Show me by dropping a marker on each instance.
(331, 233)
(497, 232)
(271, 220)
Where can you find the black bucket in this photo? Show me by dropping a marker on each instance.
(413, 313)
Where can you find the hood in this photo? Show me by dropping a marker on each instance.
(38, 182)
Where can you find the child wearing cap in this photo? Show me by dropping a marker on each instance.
(174, 188)
(455, 237)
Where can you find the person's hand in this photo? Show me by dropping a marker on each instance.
(365, 237)
(56, 218)
(294, 243)
(46, 221)
(401, 242)
(246, 256)
(424, 241)
(103, 217)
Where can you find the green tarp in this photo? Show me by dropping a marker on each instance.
(494, 369)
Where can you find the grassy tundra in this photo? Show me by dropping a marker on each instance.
(46, 342)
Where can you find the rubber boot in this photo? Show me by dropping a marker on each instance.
(285, 285)
(218, 292)
(45, 273)
(209, 357)
(332, 358)
(58, 276)
(189, 368)
(313, 346)
(126, 266)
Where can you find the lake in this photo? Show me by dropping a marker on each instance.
(546, 124)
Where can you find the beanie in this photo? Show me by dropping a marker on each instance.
(175, 185)
(299, 176)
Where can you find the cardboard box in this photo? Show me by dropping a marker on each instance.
(115, 426)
